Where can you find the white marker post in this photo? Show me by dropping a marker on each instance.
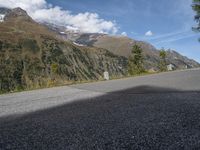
(106, 75)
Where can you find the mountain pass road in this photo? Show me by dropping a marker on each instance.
(160, 111)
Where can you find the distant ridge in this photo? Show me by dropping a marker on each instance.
(122, 46)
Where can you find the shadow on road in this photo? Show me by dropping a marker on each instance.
(161, 119)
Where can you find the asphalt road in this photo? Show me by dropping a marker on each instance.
(159, 111)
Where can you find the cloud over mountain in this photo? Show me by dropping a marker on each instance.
(149, 33)
(42, 11)
(124, 34)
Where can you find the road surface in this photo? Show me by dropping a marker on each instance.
(159, 111)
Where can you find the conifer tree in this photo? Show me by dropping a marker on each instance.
(135, 62)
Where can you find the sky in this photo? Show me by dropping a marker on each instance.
(165, 24)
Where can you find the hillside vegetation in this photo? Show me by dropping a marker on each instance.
(34, 55)
(31, 56)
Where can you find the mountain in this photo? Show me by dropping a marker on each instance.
(122, 46)
(33, 56)
(4, 10)
(17, 13)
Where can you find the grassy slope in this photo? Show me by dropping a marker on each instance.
(122, 46)
(31, 57)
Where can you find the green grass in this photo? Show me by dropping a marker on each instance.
(68, 83)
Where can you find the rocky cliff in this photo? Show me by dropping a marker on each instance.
(122, 46)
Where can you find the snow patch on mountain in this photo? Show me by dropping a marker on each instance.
(78, 44)
(2, 17)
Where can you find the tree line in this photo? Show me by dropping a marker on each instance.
(196, 8)
(136, 61)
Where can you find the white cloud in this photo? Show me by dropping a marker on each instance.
(124, 34)
(149, 33)
(41, 11)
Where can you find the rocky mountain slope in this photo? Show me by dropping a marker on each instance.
(32, 56)
(36, 55)
(122, 46)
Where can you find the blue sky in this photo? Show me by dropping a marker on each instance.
(169, 21)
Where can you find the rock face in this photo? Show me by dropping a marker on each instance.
(4, 10)
(122, 46)
(180, 61)
(17, 13)
(32, 56)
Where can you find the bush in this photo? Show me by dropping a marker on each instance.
(31, 45)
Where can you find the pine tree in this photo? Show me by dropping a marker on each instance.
(196, 8)
(135, 62)
(163, 63)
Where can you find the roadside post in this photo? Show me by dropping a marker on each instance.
(106, 75)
